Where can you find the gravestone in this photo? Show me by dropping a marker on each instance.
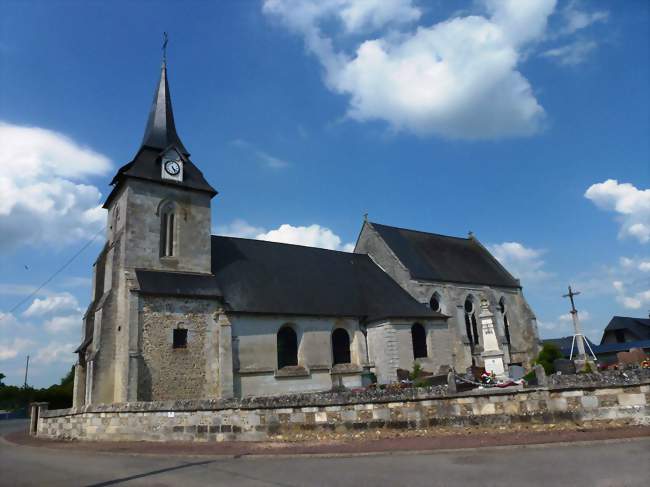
(564, 365)
(451, 382)
(444, 370)
(540, 375)
(516, 372)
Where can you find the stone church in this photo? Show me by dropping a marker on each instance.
(178, 313)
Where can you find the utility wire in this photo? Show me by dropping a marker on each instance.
(56, 273)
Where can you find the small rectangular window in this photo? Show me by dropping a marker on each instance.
(180, 338)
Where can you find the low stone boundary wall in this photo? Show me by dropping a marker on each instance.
(261, 418)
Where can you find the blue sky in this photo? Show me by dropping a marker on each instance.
(524, 122)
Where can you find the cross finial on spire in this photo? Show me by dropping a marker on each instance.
(164, 47)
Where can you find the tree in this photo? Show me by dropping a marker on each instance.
(68, 379)
(547, 356)
(2, 376)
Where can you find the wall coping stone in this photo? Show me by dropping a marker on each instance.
(318, 399)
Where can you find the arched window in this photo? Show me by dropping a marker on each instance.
(435, 302)
(340, 347)
(470, 321)
(287, 347)
(506, 325)
(419, 338)
(167, 230)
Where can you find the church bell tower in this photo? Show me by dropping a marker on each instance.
(159, 219)
(160, 202)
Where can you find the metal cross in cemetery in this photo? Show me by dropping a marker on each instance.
(578, 338)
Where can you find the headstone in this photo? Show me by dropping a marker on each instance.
(540, 375)
(444, 370)
(516, 372)
(451, 382)
(564, 365)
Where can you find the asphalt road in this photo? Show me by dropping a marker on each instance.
(624, 463)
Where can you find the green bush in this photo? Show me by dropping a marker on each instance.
(416, 372)
(547, 356)
(529, 376)
(587, 369)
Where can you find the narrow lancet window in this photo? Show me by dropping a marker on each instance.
(470, 322)
(287, 345)
(167, 231)
(506, 325)
(419, 338)
(340, 346)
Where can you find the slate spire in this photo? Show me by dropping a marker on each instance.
(160, 132)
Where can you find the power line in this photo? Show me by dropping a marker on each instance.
(56, 273)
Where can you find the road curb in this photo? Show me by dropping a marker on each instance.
(419, 451)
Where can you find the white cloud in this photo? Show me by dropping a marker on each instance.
(642, 264)
(458, 78)
(264, 157)
(8, 320)
(632, 299)
(11, 349)
(583, 315)
(239, 228)
(52, 304)
(631, 204)
(311, 236)
(62, 324)
(571, 54)
(576, 19)
(42, 196)
(374, 14)
(55, 352)
(522, 262)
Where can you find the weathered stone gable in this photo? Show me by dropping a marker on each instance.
(524, 337)
(177, 373)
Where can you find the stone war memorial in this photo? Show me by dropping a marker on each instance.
(192, 336)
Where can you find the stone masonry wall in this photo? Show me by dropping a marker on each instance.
(264, 418)
(177, 373)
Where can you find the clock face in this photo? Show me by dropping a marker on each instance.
(172, 167)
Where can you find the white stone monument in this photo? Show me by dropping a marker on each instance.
(492, 355)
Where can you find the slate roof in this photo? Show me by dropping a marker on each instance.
(254, 276)
(433, 257)
(621, 347)
(159, 136)
(564, 344)
(178, 284)
(160, 131)
(268, 277)
(639, 327)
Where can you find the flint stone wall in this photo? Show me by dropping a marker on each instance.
(264, 418)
